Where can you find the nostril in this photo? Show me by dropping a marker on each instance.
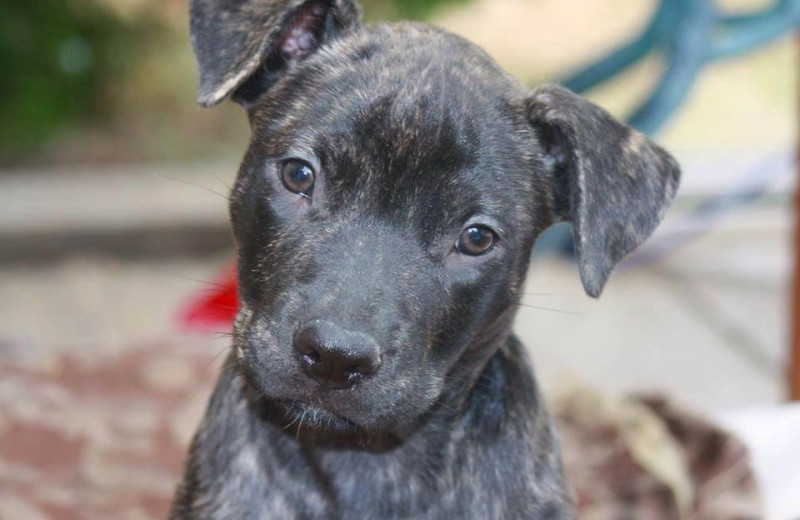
(353, 372)
(311, 357)
(364, 366)
(335, 357)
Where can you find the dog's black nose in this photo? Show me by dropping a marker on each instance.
(336, 357)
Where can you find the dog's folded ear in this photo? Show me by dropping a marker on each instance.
(608, 180)
(242, 46)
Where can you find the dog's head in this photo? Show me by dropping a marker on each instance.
(392, 191)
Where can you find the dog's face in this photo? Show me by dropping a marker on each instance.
(387, 206)
(385, 210)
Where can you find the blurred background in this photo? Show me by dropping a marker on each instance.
(113, 224)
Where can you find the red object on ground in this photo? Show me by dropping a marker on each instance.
(214, 308)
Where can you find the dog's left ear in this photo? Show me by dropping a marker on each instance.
(243, 46)
(609, 180)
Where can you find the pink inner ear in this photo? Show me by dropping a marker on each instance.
(302, 36)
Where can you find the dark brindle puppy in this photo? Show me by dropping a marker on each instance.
(385, 211)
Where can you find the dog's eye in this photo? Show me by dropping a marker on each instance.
(475, 240)
(297, 177)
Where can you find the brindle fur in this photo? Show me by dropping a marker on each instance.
(414, 133)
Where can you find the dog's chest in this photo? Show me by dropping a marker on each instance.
(421, 485)
(385, 486)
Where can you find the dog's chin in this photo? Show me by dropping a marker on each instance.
(308, 418)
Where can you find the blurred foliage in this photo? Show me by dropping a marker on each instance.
(107, 80)
(404, 9)
(56, 57)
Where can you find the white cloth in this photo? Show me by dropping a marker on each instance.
(773, 436)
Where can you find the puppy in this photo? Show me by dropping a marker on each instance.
(384, 215)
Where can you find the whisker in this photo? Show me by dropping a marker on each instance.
(215, 313)
(227, 334)
(188, 183)
(468, 378)
(300, 426)
(461, 375)
(227, 186)
(205, 282)
(294, 420)
(560, 311)
(213, 359)
(439, 402)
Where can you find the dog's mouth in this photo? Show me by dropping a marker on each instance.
(304, 418)
(320, 427)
